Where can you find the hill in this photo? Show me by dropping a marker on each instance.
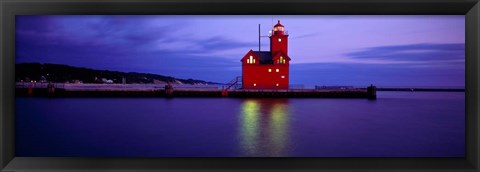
(64, 73)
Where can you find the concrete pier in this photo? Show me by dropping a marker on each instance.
(305, 93)
(171, 91)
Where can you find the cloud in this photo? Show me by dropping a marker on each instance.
(308, 35)
(428, 53)
(207, 45)
(36, 24)
(89, 38)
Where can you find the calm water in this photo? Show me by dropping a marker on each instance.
(397, 124)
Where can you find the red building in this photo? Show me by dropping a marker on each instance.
(268, 69)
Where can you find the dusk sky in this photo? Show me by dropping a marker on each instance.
(395, 50)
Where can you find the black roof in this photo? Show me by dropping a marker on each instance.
(265, 57)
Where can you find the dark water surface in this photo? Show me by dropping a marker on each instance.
(397, 124)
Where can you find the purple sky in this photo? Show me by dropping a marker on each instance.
(325, 50)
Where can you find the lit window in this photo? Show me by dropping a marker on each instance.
(254, 84)
(283, 61)
(278, 70)
(279, 39)
(269, 70)
(283, 76)
(251, 60)
(277, 84)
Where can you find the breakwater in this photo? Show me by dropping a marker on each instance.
(370, 93)
(423, 89)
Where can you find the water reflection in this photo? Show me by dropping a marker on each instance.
(264, 127)
(250, 126)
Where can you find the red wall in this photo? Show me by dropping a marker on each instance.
(279, 46)
(258, 74)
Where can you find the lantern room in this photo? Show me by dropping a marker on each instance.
(278, 29)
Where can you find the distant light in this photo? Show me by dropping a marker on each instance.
(254, 84)
(269, 70)
(277, 84)
(278, 70)
(279, 39)
(283, 76)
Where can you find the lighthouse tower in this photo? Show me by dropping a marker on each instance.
(279, 39)
(268, 70)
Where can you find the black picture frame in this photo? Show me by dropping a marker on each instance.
(10, 8)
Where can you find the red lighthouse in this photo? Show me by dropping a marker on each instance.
(268, 69)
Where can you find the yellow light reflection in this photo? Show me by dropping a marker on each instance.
(250, 116)
(278, 130)
(264, 127)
